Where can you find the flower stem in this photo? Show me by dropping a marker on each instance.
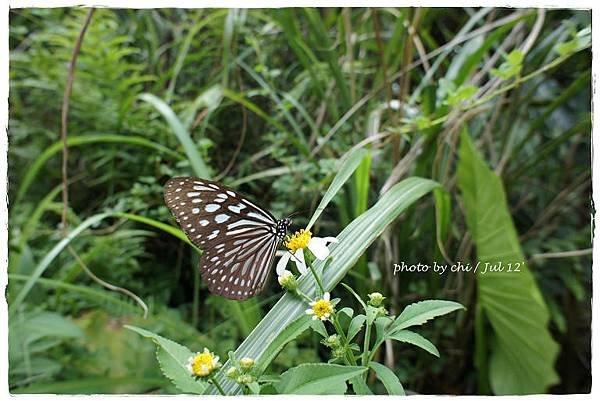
(317, 278)
(217, 385)
(338, 328)
(365, 355)
(303, 295)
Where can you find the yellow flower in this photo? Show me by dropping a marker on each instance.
(298, 240)
(321, 309)
(203, 363)
(297, 243)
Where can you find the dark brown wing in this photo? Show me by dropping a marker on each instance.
(238, 239)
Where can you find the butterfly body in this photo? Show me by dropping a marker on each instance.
(238, 238)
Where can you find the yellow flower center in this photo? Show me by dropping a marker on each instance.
(299, 240)
(203, 364)
(321, 308)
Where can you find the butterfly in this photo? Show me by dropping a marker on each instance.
(237, 237)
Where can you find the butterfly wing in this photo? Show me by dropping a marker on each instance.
(238, 239)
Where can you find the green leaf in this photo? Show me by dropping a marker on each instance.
(388, 378)
(413, 338)
(318, 326)
(85, 291)
(317, 379)
(358, 298)
(254, 388)
(524, 353)
(420, 312)
(359, 385)
(515, 57)
(348, 164)
(511, 67)
(347, 311)
(210, 99)
(49, 257)
(381, 325)
(476, 49)
(461, 94)
(275, 345)
(173, 359)
(353, 241)
(198, 165)
(93, 385)
(443, 212)
(580, 41)
(177, 233)
(79, 140)
(355, 325)
(50, 324)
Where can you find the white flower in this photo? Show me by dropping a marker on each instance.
(321, 308)
(296, 244)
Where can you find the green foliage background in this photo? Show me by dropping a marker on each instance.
(493, 104)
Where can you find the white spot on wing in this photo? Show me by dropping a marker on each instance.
(260, 217)
(221, 218)
(202, 188)
(212, 207)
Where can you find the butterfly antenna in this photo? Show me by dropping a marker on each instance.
(297, 213)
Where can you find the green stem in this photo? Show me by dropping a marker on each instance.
(365, 355)
(317, 278)
(214, 381)
(338, 328)
(303, 295)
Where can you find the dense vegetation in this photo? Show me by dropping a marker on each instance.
(493, 104)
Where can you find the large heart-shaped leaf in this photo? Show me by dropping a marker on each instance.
(524, 354)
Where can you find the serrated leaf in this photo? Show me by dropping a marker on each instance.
(317, 379)
(413, 338)
(388, 378)
(173, 358)
(420, 312)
